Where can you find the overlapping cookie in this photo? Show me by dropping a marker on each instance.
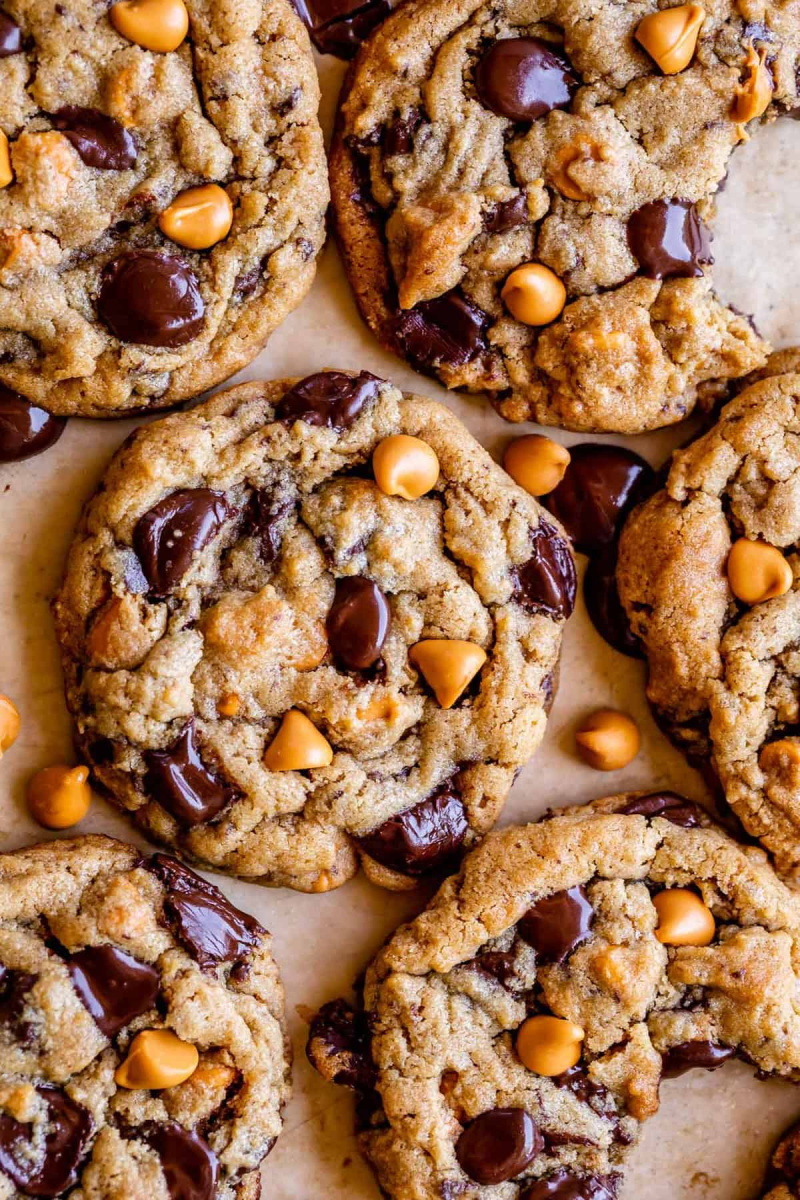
(162, 197)
(514, 1035)
(308, 622)
(142, 1042)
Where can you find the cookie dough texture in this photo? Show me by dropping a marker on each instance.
(444, 998)
(246, 626)
(421, 170)
(723, 678)
(93, 909)
(235, 104)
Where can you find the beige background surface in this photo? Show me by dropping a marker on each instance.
(713, 1133)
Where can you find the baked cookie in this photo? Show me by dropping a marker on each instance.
(308, 621)
(513, 1036)
(162, 195)
(706, 574)
(783, 1174)
(143, 1051)
(521, 196)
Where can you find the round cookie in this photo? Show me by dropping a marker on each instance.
(98, 946)
(105, 142)
(563, 918)
(475, 139)
(783, 1173)
(723, 673)
(277, 667)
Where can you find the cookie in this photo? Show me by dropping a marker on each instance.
(783, 1173)
(143, 1051)
(279, 663)
(706, 576)
(522, 199)
(513, 1036)
(162, 196)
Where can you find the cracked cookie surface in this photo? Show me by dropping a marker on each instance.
(234, 567)
(97, 945)
(101, 312)
(438, 197)
(723, 674)
(562, 918)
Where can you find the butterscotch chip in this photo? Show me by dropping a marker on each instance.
(9, 724)
(608, 740)
(670, 36)
(59, 797)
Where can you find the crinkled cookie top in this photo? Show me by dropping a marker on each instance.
(562, 919)
(475, 138)
(100, 311)
(98, 945)
(239, 563)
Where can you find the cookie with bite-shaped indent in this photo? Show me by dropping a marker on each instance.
(510, 1041)
(143, 1050)
(163, 190)
(281, 655)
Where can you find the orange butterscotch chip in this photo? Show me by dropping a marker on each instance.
(549, 1045)
(229, 704)
(59, 797)
(298, 745)
(448, 666)
(158, 25)
(405, 466)
(534, 294)
(199, 217)
(9, 723)
(757, 571)
(157, 1058)
(670, 36)
(783, 753)
(753, 96)
(536, 463)
(683, 918)
(584, 150)
(608, 740)
(6, 173)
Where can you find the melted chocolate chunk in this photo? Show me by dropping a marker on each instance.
(398, 138)
(266, 518)
(114, 986)
(331, 399)
(498, 1144)
(69, 1129)
(600, 485)
(10, 36)
(14, 988)
(340, 26)
(669, 240)
(547, 581)
(604, 606)
(100, 140)
(339, 1046)
(190, 1166)
(668, 805)
(566, 1186)
(167, 538)
(151, 298)
(208, 925)
(508, 214)
(523, 78)
(497, 965)
(689, 1055)
(182, 783)
(423, 837)
(575, 1080)
(358, 622)
(25, 429)
(556, 924)
(447, 331)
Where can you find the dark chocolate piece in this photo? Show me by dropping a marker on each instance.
(524, 78)
(339, 1046)
(358, 622)
(556, 924)
(668, 805)
(547, 582)
(498, 1145)
(169, 536)
(566, 1186)
(423, 837)
(182, 783)
(190, 1166)
(600, 485)
(330, 398)
(113, 985)
(340, 26)
(10, 36)
(151, 299)
(507, 214)
(100, 140)
(601, 594)
(69, 1128)
(687, 1056)
(25, 429)
(669, 240)
(14, 988)
(448, 331)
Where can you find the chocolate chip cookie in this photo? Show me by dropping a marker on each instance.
(513, 1037)
(706, 574)
(310, 621)
(783, 1173)
(142, 1043)
(162, 195)
(522, 195)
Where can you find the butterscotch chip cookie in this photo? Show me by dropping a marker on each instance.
(522, 195)
(309, 621)
(143, 1051)
(513, 1036)
(164, 198)
(706, 573)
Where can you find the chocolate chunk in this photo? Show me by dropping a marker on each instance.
(600, 485)
(358, 622)
(669, 240)
(604, 606)
(668, 805)
(688, 1055)
(421, 838)
(10, 36)
(200, 917)
(523, 78)
(556, 924)
(566, 1186)
(100, 140)
(575, 1080)
(498, 1145)
(14, 988)
(339, 1046)
(151, 298)
(507, 214)
(25, 429)
(69, 1127)
(496, 964)
(267, 518)
(168, 536)
(340, 26)
(114, 986)
(190, 1166)
(331, 399)
(447, 331)
(182, 783)
(398, 138)
(547, 582)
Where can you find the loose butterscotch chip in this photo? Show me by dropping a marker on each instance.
(549, 1045)
(198, 218)
(608, 740)
(59, 797)
(757, 571)
(683, 918)
(157, 1058)
(159, 25)
(536, 463)
(405, 466)
(534, 294)
(448, 666)
(298, 745)
(670, 36)
(9, 723)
